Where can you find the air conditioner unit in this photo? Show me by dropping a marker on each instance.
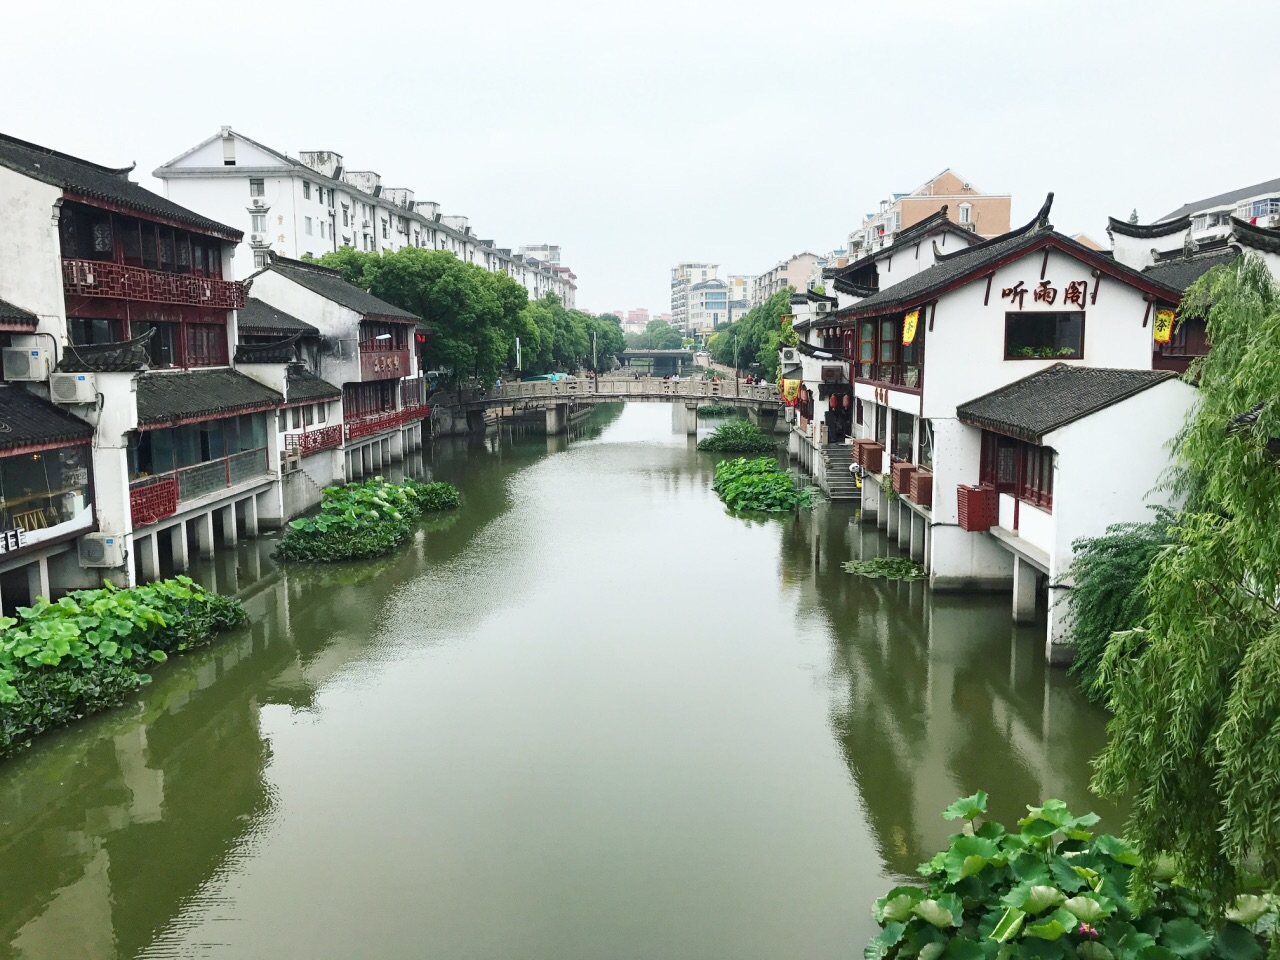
(822, 307)
(101, 550)
(366, 224)
(255, 238)
(790, 355)
(73, 388)
(291, 460)
(26, 363)
(258, 202)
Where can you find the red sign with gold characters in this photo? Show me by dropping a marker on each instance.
(384, 365)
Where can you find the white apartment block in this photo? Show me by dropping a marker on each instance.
(684, 276)
(708, 306)
(313, 204)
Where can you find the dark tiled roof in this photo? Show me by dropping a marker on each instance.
(26, 420)
(1180, 272)
(1222, 199)
(273, 351)
(853, 289)
(1147, 231)
(1259, 238)
(1051, 398)
(816, 297)
(305, 386)
(100, 183)
(953, 269)
(10, 313)
(195, 394)
(913, 233)
(117, 357)
(256, 315)
(330, 285)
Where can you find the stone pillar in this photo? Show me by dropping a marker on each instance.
(691, 418)
(251, 517)
(892, 514)
(397, 444)
(906, 520)
(38, 579)
(919, 534)
(227, 515)
(1058, 650)
(178, 540)
(205, 534)
(1024, 591)
(148, 557)
(366, 460)
(557, 418)
(870, 500)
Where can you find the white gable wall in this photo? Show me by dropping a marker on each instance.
(30, 251)
(339, 326)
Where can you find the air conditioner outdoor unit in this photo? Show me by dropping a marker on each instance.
(255, 238)
(73, 388)
(366, 224)
(790, 355)
(822, 307)
(26, 363)
(257, 202)
(101, 550)
(291, 460)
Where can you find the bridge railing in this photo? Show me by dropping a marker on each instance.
(629, 387)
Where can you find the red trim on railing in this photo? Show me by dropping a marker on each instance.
(153, 499)
(313, 441)
(386, 421)
(103, 278)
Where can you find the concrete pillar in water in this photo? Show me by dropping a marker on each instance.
(178, 541)
(475, 421)
(38, 579)
(366, 459)
(557, 418)
(204, 534)
(227, 516)
(691, 418)
(1024, 591)
(906, 521)
(251, 517)
(892, 513)
(1058, 650)
(148, 557)
(919, 534)
(396, 445)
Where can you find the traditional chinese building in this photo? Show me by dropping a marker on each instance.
(366, 348)
(985, 504)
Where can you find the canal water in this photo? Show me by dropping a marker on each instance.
(590, 715)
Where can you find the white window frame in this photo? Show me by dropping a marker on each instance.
(966, 213)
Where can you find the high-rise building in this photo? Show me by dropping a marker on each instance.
(683, 277)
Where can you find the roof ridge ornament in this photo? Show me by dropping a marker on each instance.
(1041, 221)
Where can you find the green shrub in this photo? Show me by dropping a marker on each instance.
(1107, 594)
(758, 485)
(887, 568)
(738, 436)
(65, 660)
(1053, 891)
(362, 520)
(717, 410)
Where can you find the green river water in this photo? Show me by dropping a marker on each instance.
(590, 716)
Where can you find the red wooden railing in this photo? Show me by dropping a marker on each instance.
(97, 278)
(385, 421)
(152, 499)
(312, 441)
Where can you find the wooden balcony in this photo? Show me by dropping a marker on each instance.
(101, 278)
(376, 423)
(313, 441)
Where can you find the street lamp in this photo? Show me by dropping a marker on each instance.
(737, 380)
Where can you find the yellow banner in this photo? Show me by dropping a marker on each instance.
(1164, 325)
(909, 324)
(790, 391)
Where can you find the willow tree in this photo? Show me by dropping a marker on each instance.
(1195, 689)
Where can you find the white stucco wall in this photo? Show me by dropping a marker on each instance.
(960, 559)
(339, 326)
(30, 251)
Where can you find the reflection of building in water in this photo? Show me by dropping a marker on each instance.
(935, 696)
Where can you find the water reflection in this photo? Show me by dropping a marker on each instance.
(935, 696)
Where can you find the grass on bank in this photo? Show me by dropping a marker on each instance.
(362, 520)
(63, 661)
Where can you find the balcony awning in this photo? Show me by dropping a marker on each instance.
(29, 423)
(172, 399)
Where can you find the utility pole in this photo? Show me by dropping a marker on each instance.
(737, 380)
(595, 367)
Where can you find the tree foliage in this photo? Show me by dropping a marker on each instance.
(1108, 593)
(738, 436)
(657, 335)
(759, 332)
(476, 315)
(1195, 688)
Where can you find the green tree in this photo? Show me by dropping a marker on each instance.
(1133, 217)
(757, 334)
(1195, 736)
(658, 335)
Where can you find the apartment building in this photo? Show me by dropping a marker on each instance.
(793, 272)
(683, 277)
(985, 214)
(313, 204)
(708, 306)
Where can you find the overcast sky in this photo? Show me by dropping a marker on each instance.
(638, 135)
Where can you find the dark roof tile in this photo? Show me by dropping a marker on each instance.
(330, 285)
(1180, 272)
(199, 394)
(101, 183)
(11, 313)
(1147, 231)
(26, 420)
(1051, 398)
(304, 386)
(257, 315)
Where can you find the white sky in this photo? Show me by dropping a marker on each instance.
(636, 135)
